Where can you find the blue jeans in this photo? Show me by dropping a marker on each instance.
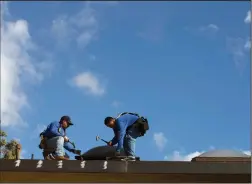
(129, 143)
(58, 144)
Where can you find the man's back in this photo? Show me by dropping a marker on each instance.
(53, 129)
(124, 121)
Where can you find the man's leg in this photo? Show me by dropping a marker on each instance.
(66, 155)
(129, 146)
(130, 142)
(57, 143)
(68, 146)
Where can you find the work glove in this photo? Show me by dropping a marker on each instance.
(66, 139)
(77, 152)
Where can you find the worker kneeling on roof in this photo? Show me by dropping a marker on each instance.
(54, 140)
(127, 128)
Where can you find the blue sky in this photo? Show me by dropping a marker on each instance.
(184, 65)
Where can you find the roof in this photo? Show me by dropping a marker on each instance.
(101, 150)
(99, 153)
(223, 153)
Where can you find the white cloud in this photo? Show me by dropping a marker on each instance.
(153, 30)
(247, 45)
(110, 3)
(211, 148)
(17, 139)
(102, 4)
(209, 27)
(39, 128)
(89, 83)
(17, 66)
(61, 29)
(160, 140)
(92, 57)
(208, 31)
(23, 153)
(247, 152)
(81, 27)
(177, 156)
(237, 47)
(85, 38)
(247, 19)
(4, 9)
(116, 104)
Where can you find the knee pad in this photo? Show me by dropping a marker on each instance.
(60, 140)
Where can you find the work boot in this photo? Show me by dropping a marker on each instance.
(129, 158)
(61, 158)
(49, 157)
(76, 152)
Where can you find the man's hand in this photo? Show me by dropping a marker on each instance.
(66, 139)
(110, 143)
(77, 152)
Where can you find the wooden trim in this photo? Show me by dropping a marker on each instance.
(36, 177)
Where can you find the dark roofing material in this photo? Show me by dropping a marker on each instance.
(222, 156)
(224, 153)
(99, 153)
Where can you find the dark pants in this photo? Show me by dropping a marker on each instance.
(129, 143)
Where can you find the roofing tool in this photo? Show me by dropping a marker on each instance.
(97, 138)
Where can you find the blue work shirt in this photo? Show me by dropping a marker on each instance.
(54, 129)
(122, 123)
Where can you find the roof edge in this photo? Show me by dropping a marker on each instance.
(221, 159)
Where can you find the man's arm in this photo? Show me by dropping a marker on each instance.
(120, 135)
(114, 140)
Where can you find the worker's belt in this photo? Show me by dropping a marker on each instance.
(42, 144)
(43, 140)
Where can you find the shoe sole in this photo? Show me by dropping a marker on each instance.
(126, 159)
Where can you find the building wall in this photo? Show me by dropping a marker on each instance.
(37, 177)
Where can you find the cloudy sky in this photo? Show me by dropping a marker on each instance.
(184, 65)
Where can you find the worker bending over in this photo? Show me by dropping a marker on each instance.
(54, 140)
(127, 128)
